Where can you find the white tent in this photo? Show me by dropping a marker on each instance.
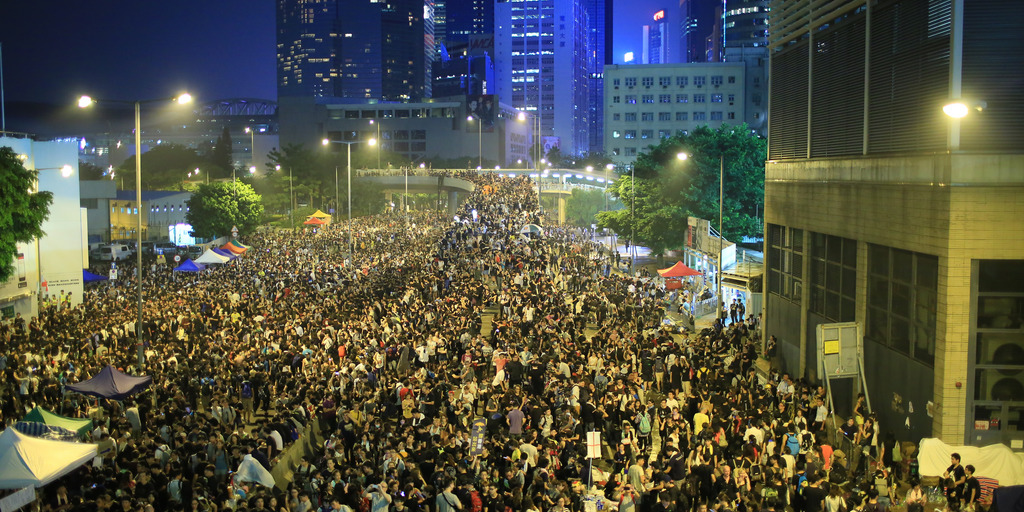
(994, 461)
(27, 461)
(211, 257)
(250, 470)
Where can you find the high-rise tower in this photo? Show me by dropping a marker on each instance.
(543, 66)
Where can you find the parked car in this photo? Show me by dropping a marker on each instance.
(168, 248)
(112, 252)
(195, 251)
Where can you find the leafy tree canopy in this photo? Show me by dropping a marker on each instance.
(668, 190)
(22, 212)
(215, 208)
(164, 167)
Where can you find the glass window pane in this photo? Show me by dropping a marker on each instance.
(878, 292)
(832, 306)
(1002, 348)
(833, 277)
(878, 259)
(818, 245)
(798, 240)
(928, 271)
(818, 272)
(998, 385)
(849, 311)
(850, 253)
(850, 282)
(834, 247)
(774, 282)
(1000, 275)
(924, 345)
(901, 299)
(1000, 312)
(989, 416)
(899, 335)
(878, 326)
(902, 265)
(798, 265)
(817, 304)
(774, 258)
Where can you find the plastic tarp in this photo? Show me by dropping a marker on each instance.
(89, 277)
(230, 247)
(80, 425)
(993, 461)
(188, 266)
(36, 429)
(111, 383)
(678, 270)
(1008, 499)
(531, 228)
(26, 461)
(250, 470)
(211, 257)
(228, 254)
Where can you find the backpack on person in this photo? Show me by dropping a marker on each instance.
(246, 390)
(644, 425)
(475, 503)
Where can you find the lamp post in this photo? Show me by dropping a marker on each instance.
(348, 144)
(374, 122)
(721, 236)
(479, 140)
(86, 101)
(291, 208)
(252, 145)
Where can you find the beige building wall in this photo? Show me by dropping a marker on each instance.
(959, 208)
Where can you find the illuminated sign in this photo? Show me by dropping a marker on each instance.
(628, 57)
(659, 15)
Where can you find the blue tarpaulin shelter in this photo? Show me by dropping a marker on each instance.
(89, 277)
(189, 266)
(111, 383)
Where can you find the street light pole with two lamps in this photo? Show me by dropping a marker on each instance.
(348, 144)
(86, 101)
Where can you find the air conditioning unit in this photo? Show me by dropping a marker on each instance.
(1001, 385)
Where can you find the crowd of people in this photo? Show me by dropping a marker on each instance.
(446, 365)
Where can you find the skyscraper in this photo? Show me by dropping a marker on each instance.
(543, 66)
(367, 50)
(465, 18)
(599, 14)
(655, 49)
(700, 30)
(746, 23)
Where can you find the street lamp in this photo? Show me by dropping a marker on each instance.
(373, 122)
(86, 101)
(252, 145)
(291, 206)
(479, 141)
(348, 144)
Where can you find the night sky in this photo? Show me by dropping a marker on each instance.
(119, 49)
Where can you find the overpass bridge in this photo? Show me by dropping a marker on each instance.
(551, 182)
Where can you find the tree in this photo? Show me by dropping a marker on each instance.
(668, 190)
(21, 212)
(582, 206)
(89, 171)
(164, 167)
(221, 154)
(213, 209)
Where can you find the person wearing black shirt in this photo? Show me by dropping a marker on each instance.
(813, 495)
(956, 472)
(972, 488)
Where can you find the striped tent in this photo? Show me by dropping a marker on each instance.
(42, 430)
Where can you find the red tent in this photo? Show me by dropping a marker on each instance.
(678, 270)
(315, 221)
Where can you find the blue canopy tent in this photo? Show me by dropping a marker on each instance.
(89, 277)
(111, 383)
(189, 266)
(36, 429)
(222, 252)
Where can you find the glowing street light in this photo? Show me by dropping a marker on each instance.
(181, 99)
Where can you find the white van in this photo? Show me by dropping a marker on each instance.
(113, 252)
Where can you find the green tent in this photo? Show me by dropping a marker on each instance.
(82, 426)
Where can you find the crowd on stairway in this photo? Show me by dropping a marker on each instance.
(446, 364)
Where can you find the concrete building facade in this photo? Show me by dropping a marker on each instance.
(647, 103)
(882, 210)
